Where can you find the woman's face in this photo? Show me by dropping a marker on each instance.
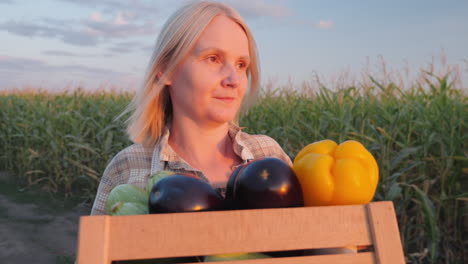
(210, 83)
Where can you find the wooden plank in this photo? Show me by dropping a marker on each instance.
(261, 230)
(93, 241)
(359, 258)
(385, 232)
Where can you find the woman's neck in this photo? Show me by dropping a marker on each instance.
(200, 144)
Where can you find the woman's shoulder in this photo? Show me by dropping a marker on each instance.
(136, 150)
(263, 146)
(133, 155)
(259, 140)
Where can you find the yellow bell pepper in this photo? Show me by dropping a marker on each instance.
(332, 174)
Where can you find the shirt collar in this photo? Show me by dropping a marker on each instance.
(238, 143)
(165, 152)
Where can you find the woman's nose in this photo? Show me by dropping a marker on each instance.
(230, 76)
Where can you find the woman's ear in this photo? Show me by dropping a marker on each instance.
(160, 74)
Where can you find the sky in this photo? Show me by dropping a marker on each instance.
(54, 44)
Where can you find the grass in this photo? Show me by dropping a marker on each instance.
(62, 143)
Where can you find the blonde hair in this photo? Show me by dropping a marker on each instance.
(151, 106)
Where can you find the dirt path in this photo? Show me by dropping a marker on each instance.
(36, 227)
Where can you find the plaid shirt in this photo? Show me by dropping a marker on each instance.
(136, 163)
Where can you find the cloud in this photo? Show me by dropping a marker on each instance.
(260, 8)
(115, 19)
(137, 9)
(27, 71)
(325, 24)
(61, 53)
(8, 63)
(117, 27)
(81, 38)
(64, 32)
(13, 63)
(96, 17)
(126, 47)
(91, 31)
(131, 46)
(120, 19)
(8, 2)
(147, 9)
(321, 24)
(109, 22)
(26, 29)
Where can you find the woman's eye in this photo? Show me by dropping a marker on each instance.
(212, 58)
(242, 65)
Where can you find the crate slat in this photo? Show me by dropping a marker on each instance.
(259, 230)
(385, 233)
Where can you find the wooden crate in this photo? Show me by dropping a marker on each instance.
(103, 239)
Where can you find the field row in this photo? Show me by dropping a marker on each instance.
(63, 142)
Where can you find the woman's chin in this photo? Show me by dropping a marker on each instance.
(222, 117)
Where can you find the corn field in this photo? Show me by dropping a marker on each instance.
(63, 142)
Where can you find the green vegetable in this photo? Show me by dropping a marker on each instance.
(155, 178)
(126, 193)
(122, 208)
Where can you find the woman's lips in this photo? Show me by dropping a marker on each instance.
(225, 99)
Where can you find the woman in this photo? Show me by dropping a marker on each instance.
(185, 116)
